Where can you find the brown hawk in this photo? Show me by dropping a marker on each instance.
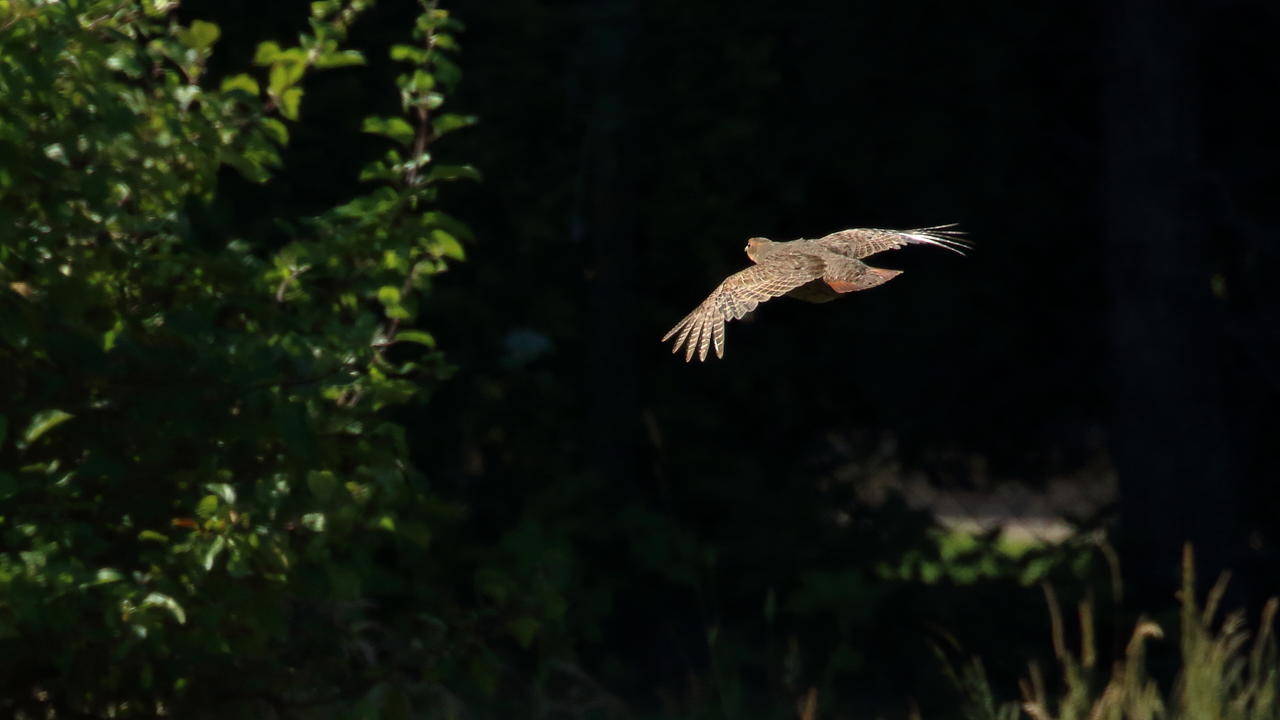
(815, 271)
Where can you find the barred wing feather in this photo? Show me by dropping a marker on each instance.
(738, 295)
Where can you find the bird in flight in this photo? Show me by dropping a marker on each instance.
(815, 271)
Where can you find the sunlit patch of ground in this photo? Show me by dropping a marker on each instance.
(1027, 511)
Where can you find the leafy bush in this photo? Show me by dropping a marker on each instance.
(203, 503)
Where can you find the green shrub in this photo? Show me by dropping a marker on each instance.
(203, 504)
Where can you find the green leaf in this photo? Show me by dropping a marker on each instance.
(207, 507)
(443, 244)
(211, 554)
(523, 629)
(240, 82)
(223, 491)
(126, 61)
(389, 295)
(56, 153)
(267, 53)
(290, 100)
(420, 82)
(343, 58)
(322, 484)
(4, 429)
(325, 8)
(420, 337)
(315, 522)
(110, 337)
(43, 422)
(396, 128)
(153, 536)
(105, 576)
(449, 122)
(160, 600)
(276, 130)
(285, 73)
(201, 35)
(447, 72)
(453, 172)
(8, 486)
(377, 170)
(409, 54)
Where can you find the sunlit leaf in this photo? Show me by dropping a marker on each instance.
(207, 507)
(409, 53)
(126, 61)
(223, 491)
(42, 422)
(344, 58)
(214, 550)
(201, 35)
(443, 244)
(276, 130)
(389, 295)
(57, 153)
(240, 82)
(285, 73)
(420, 81)
(267, 53)
(325, 8)
(160, 600)
(153, 536)
(105, 576)
(290, 102)
(395, 128)
(420, 337)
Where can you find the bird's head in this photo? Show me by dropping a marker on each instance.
(755, 247)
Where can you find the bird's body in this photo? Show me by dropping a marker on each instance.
(818, 270)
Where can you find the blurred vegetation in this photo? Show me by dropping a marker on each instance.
(1222, 673)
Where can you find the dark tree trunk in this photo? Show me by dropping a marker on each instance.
(1169, 437)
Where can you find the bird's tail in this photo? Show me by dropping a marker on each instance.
(944, 236)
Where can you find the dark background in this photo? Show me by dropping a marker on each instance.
(1115, 165)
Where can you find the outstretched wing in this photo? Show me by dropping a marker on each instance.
(738, 295)
(864, 242)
